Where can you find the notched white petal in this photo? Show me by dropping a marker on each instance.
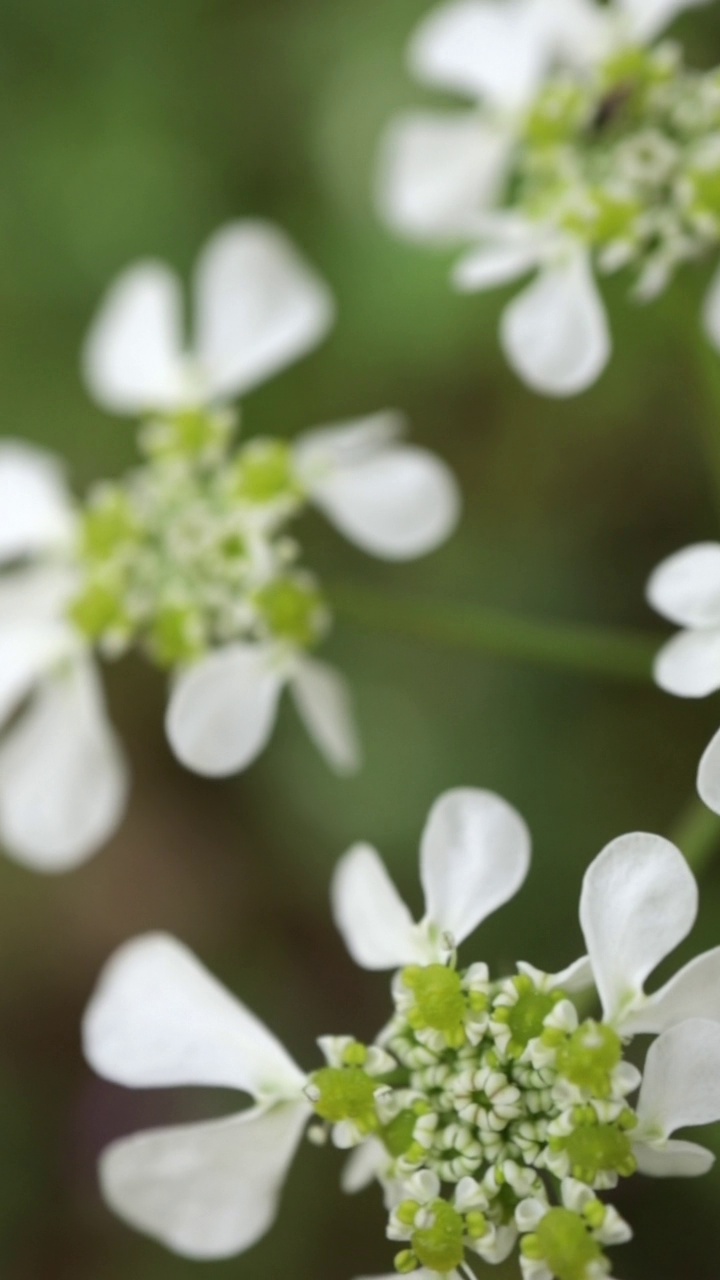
(376, 926)
(205, 1190)
(681, 1081)
(260, 306)
(158, 1017)
(694, 992)
(222, 710)
(474, 856)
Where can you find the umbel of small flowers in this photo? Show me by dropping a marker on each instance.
(491, 1113)
(589, 148)
(188, 557)
(685, 589)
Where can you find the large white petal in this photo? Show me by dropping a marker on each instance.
(35, 509)
(345, 444)
(205, 1190)
(27, 651)
(639, 900)
(133, 358)
(673, 1159)
(681, 1080)
(323, 699)
(63, 777)
(376, 926)
(555, 333)
(495, 264)
(38, 592)
(488, 48)
(437, 174)
(649, 17)
(398, 503)
(158, 1017)
(474, 856)
(694, 992)
(686, 587)
(688, 664)
(260, 306)
(222, 710)
(708, 776)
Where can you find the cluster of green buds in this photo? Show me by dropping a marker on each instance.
(189, 551)
(626, 158)
(495, 1113)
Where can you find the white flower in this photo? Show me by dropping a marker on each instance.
(474, 856)
(685, 588)
(639, 900)
(680, 1088)
(443, 176)
(257, 308)
(206, 1190)
(63, 780)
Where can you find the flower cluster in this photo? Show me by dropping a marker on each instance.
(492, 1111)
(189, 557)
(591, 149)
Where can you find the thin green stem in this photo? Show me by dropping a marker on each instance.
(697, 834)
(617, 654)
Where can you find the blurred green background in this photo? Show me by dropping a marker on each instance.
(137, 127)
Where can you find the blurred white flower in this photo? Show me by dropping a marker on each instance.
(531, 177)
(685, 589)
(63, 780)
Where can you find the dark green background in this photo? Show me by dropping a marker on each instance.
(138, 126)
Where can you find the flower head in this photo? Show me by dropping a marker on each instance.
(588, 149)
(490, 1110)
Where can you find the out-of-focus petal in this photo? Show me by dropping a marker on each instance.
(260, 306)
(708, 776)
(495, 264)
(28, 650)
(133, 358)
(555, 333)
(376, 926)
(363, 1165)
(686, 587)
(647, 18)
(639, 900)
(323, 699)
(205, 1190)
(688, 665)
(158, 1017)
(474, 856)
(35, 509)
(439, 172)
(63, 778)
(222, 710)
(36, 593)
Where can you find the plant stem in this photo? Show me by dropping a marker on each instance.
(617, 654)
(697, 834)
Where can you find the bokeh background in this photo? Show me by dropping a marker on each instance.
(135, 128)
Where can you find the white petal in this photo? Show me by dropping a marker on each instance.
(681, 1080)
(578, 976)
(36, 593)
(488, 48)
(711, 311)
(398, 503)
(376, 926)
(323, 699)
(260, 306)
(363, 1165)
(438, 173)
(35, 508)
(28, 650)
(474, 856)
(708, 777)
(157, 1017)
(686, 587)
(222, 710)
(688, 665)
(494, 265)
(63, 778)
(133, 357)
(205, 1190)
(638, 901)
(674, 1159)
(555, 333)
(694, 992)
(649, 17)
(345, 444)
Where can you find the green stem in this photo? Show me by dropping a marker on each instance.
(697, 834)
(620, 655)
